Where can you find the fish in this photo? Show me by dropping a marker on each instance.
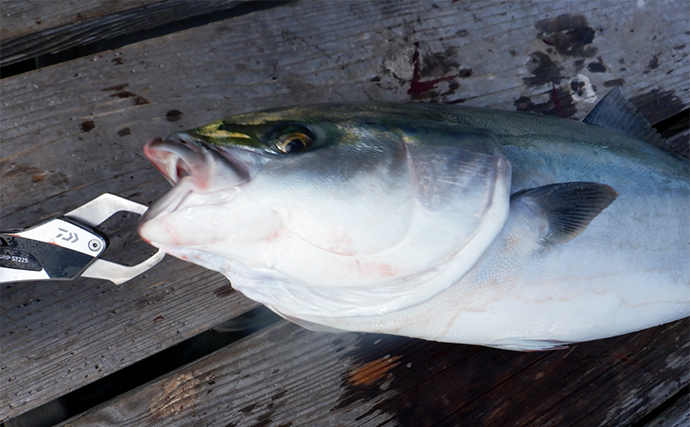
(450, 223)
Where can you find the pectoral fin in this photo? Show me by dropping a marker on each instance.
(567, 207)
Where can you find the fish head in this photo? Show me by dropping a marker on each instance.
(331, 198)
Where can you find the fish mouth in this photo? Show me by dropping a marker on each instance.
(200, 172)
(181, 156)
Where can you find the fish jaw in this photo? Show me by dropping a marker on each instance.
(202, 176)
(181, 155)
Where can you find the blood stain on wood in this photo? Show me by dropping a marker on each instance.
(417, 86)
(173, 115)
(560, 104)
(87, 125)
(373, 371)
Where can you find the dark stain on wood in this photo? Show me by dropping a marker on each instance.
(39, 176)
(19, 168)
(596, 67)
(614, 82)
(560, 104)
(543, 70)
(124, 132)
(264, 411)
(435, 63)
(464, 73)
(653, 63)
(173, 115)
(523, 103)
(87, 125)
(43, 175)
(115, 88)
(578, 86)
(140, 100)
(118, 61)
(569, 34)
(224, 291)
(123, 94)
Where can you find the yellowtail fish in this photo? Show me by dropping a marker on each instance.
(448, 223)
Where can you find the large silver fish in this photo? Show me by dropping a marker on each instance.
(447, 223)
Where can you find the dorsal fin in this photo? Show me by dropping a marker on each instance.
(617, 113)
(567, 207)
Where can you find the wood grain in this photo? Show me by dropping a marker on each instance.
(288, 376)
(59, 336)
(20, 18)
(72, 131)
(40, 27)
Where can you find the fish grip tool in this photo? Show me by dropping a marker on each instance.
(68, 247)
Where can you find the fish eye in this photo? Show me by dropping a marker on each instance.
(293, 142)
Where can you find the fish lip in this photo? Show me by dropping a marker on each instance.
(181, 155)
(195, 168)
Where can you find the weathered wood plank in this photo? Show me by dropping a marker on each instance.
(74, 130)
(364, 52)
(59, 336)
(35, 28)
(289, 376)
(22, 17)
(678, 415)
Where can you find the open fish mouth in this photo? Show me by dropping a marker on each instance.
(196, 169)
(181, 155)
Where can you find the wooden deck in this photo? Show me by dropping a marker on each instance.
(73, 130)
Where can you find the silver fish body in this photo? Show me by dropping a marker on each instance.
(447, 223)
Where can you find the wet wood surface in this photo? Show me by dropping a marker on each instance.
(74, 130)
(36, 27)
(289, 376)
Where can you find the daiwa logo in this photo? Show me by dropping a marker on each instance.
(67, 236)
